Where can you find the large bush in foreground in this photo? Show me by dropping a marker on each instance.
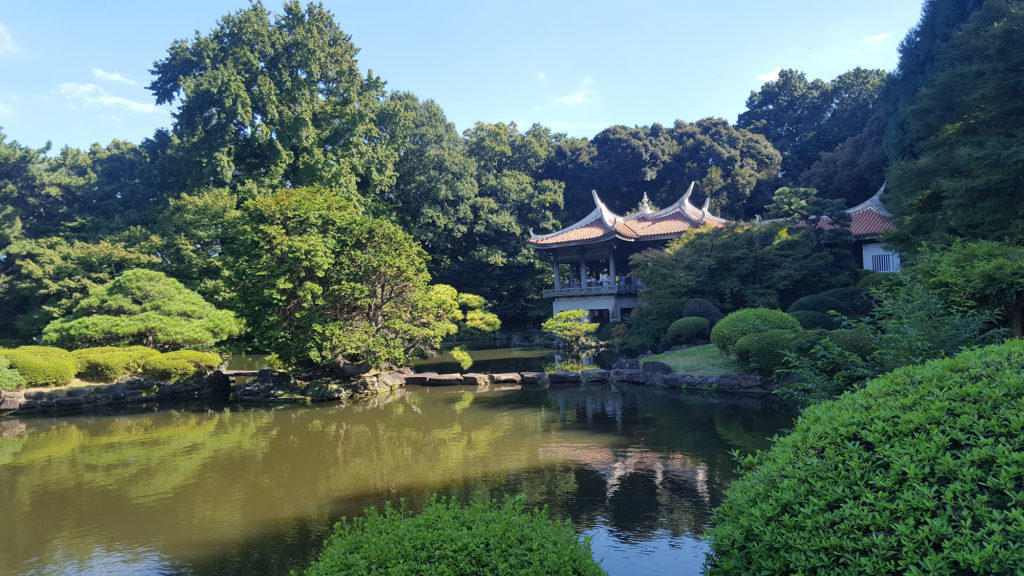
(143, 307)
(10, 379)
(110, 363)
(917, 473)
(42, 365)
(740, 323)
(180, 365)
(480, 538)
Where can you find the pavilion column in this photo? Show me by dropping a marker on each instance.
(611, 265)
(558, 282)
(583, 272)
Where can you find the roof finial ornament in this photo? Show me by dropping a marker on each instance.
(645, 204)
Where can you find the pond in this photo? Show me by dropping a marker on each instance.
(256, 490)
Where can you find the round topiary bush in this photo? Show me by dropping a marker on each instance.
(738, 324)
(43, 365)
(704, 309)
(853, 297)
(764, 352)
(816, 320)
(820, 303)
(878, 280)
(917, 473)
(856, 342)
(110, 363)
(481, 538)
(687, 330)
(180, 365)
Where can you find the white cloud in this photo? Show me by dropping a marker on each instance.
(542, 76)
(573, 99)
(92, 96)
(7, 43)
(587, 81)
(5, 109)
(112, 76)
(769, 77)
(877, 37)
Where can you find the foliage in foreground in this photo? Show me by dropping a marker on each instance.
(143, 307)
(917, 473)
(10, 379)
(480, 538)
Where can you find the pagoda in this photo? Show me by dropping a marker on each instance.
(591, 257)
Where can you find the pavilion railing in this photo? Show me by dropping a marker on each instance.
(592, 289)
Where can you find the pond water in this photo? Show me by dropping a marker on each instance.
(256, 490)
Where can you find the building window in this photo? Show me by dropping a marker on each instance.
(881, 262)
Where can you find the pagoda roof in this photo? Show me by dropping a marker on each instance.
(867, 219)
(645, 225)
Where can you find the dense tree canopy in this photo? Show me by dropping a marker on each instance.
(273, 102)
(964, 177)
(142, 307)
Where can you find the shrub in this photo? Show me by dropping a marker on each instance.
(10, 379)
(859, 342)
(688, 329)
(605, 333)
(917, 473)
(43, 365)
(573, 329)
(481, 538)
(820, 303)
(109, 363)
(764, 352)
(856, 299)
(811, 320)
(738, 324)
(704, 309)
(878, 280)
(180, 365)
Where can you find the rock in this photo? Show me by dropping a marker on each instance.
(444, 380)
(626, 364)
(654, 368)
(35, 395)
(70, 402)
(670, 380)
(419, 379)
(632, 376)
(10, 404)
(507, 378)
(534, 381)
(748, 381)
(564, 379)
(218, 384)
(117, 392)
(594, 375)
(474, 379)
(728, 383)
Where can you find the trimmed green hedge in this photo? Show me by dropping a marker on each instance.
(765, 352)
(811, 320)
(10, 379)
(738, 324)
(920, 472)
(109, 363)
(878, 280)
(43, 365)
(481, 538)
(688, 329)
(180, 365)
(856, 299)
(820, 303)
(704, 309)
(856, 342)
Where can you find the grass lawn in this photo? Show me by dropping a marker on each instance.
(699, 361)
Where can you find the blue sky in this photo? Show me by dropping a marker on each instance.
(75, 72)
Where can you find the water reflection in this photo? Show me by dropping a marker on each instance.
(257, 490)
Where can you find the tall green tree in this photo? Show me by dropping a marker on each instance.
(964, 175)
(272, 101)
(320, 282)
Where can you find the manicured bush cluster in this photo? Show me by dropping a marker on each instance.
(821, 304)
(180, 365)
(878, 280)
(687, 330)
(703, 309)
(811, 320)
(109, 363)
(856, 300)
(917, 473)
(10, 379)
(765, 352)
(43, 365)
(738, 324)
(859, 342)
(480, 538)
